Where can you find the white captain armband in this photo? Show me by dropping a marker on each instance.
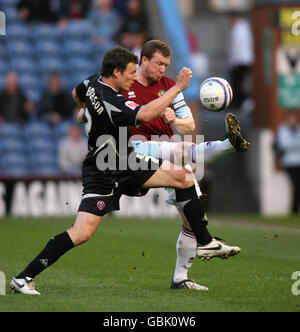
(180, 107)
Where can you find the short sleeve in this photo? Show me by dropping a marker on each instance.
(121, 111)
(81, 90)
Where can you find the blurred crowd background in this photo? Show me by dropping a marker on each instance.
(51, 46)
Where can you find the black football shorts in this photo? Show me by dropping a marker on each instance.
(102, 190)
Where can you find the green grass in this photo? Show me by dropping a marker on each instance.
(128, 265)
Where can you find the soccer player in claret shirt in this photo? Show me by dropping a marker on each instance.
(150, 84)
(108, 113)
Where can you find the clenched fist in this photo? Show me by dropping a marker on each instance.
(184, 78)
(168, 115)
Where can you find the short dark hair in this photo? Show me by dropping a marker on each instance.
(117, 58)
(153, 46)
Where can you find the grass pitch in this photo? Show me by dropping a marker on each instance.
(128, 265)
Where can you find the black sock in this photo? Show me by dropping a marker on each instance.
(54, 249)
(194, 211)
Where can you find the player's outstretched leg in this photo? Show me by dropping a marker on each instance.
(216, 248)
(233, 133)
(23, 285)
(83, 229)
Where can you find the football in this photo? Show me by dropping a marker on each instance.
(215, 94)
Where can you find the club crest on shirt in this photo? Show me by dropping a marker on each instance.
(161, 92)
(131, 104)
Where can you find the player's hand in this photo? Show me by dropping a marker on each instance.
(168, 115)
(184, 78)
(81, 116)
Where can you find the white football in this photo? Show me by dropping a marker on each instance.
(215, 94)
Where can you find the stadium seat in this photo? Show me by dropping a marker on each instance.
(12, 144)
(15, 171)
(8, 3)
(45, 170)
(42, 158)
(46, 32)
(2, 82)
(19, 31)
(23, 65)
(20, 48)
(80, 65)
(13, 159)
(12, 16)
(37, 129)
(10, 130)
(3, 66)
(74, 48)
(33, 94)
(61, 130)
(28, 80)
(41, 144)
(78, 30)
(49, 64)
(48, 48)
(3, 49)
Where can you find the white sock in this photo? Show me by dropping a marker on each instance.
(211, 150)
(186, 252)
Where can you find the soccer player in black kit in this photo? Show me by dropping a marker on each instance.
(110, 170)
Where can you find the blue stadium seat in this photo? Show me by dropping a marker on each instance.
(45, 170)
(12, 144)
(12, 16)
(23, 65)
(20, 48)
(37, 129)
(49, 64)
(18, 31)
(11, 130)
(28, 80)
(3, 66)
(49, 48)
(74, 48)
(16, 171)
(61, 130)
(8, 3)
(33, 94)
(41, 144)
(2, 82)
(78, 30)
(46, 32)
(81, 65)
(3, 49)
(42, 158)
(13, 162)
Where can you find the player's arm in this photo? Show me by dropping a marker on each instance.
(184, 121)
(180, 115)
(184, 125)
(78, 95)
(80, 103)
(156, 107)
